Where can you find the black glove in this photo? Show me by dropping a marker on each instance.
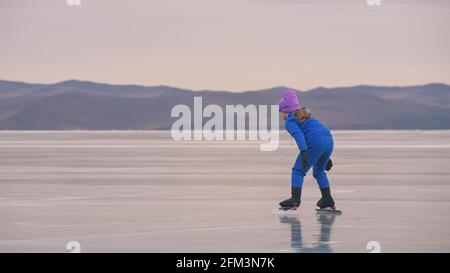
(305, 159)
(329, 165)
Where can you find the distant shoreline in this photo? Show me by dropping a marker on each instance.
(72, 105)
(168, 131)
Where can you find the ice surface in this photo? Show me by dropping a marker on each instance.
(141, 191)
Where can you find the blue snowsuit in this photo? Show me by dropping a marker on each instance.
(315, 138)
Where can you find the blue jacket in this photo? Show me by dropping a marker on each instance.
(305, 132)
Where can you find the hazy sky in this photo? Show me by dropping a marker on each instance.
(226, 44)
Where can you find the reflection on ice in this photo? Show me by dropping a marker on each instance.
(322, 245)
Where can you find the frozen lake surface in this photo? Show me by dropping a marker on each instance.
(144, 192)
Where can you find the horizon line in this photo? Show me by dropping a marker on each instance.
(220, 90)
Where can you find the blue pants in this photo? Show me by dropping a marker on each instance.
(319, 151)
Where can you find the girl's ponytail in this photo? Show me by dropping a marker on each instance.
(302, 114)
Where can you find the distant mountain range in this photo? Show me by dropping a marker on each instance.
(85, 105)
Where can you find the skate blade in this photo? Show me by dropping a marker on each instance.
(287, 209)
(329, 210)
(284, 212)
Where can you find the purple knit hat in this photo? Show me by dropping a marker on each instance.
(289, 102)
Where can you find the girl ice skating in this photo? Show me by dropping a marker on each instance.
(315, 143)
